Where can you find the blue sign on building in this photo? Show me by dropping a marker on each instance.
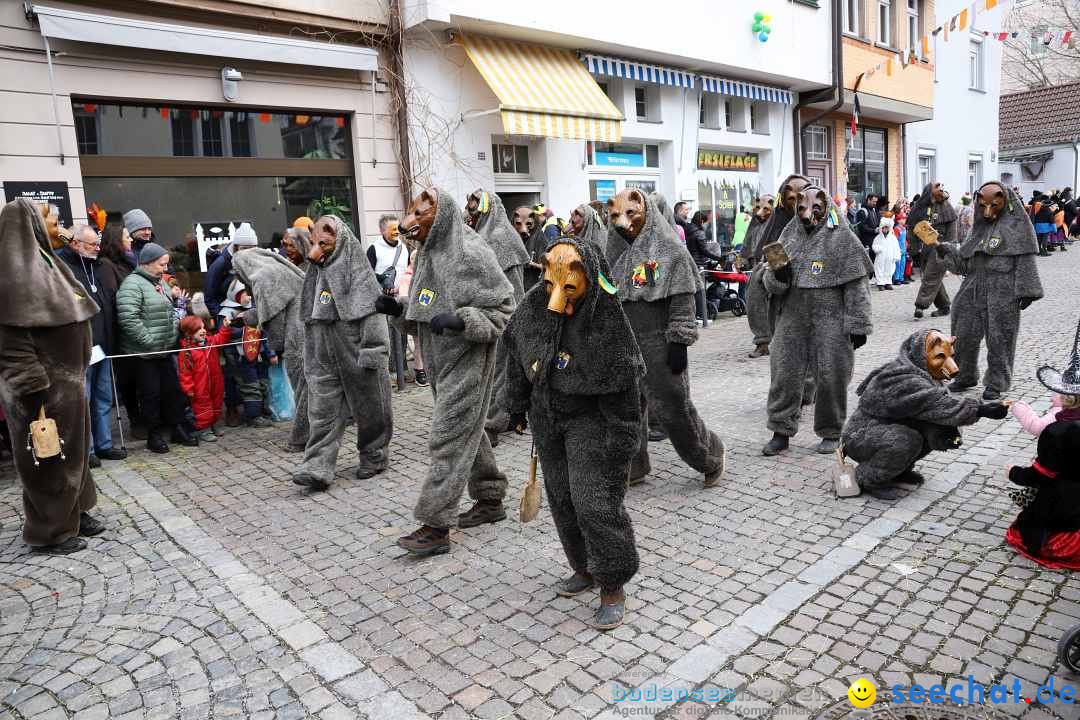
(613, 159)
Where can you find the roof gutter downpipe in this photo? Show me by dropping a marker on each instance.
(837, 91)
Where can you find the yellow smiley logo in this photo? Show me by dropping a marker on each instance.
(862, 693)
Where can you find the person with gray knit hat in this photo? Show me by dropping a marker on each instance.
(140, 227)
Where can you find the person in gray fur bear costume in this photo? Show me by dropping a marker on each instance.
(346, 352)
(657, 280)
(276, 283)
(484, 212)
(752, 257)
(459, 303)
(822, 299)
(1001, 278)
(934, 207)
(574, 372)
(905, 412)
(587, 225)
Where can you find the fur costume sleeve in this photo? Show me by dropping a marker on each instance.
(954, 262)
(857, 310)
(622, 413)
(486, 324)
(20, 369)
(950, 409)
(952, 235)
(774, 286)
(1026, 476)
(518, 389)
(682, 319)
(1026, 274)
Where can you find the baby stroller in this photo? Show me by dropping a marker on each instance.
(1068, 649)
(720, 296)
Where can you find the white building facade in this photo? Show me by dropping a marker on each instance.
(959, 146)
(706, 106)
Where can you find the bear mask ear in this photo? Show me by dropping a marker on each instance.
(637, 196)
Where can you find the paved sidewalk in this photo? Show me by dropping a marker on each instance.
(223, 590)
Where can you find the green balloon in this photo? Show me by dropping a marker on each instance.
(759, 16)
(756, 27)
(766, 29)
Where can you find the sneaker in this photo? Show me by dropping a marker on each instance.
(259, 422)
(90, 526)
(71, 545)
(482, 513)
(94, 461)
(112, 454)
(657, 435)
(219, 430)
(940, 313)
(426, 540)
(206, 435)
(421, 378)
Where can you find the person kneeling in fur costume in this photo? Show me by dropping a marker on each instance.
(905, 411)
(574, 370)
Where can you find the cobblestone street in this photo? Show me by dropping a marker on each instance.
(222, 590)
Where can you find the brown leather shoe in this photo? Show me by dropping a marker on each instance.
(426, 540)
(760, 351)
(482, 512)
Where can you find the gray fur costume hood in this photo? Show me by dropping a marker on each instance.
(594, 232)
(829, 256)
(663, 207)
(926, 209)
(498, 232)
(592, 352)
(346, 278)
(903, 388)
(273, 280)
(780, 218)
(675, 274)
(751, 247)
(38, 289)
(1011, 234)
(454, 268)
(302, 239)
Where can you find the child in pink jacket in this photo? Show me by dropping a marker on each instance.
(1063, 407)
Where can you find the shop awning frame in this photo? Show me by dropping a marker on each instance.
(100, 28)
(638, 71)
(743, 89)
(543, 91)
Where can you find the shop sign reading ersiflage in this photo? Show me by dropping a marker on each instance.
(714, 160)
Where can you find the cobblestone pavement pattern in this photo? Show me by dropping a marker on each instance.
(222, 590)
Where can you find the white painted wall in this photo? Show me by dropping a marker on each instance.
(1059, 172)
(700, 34)
(965, 121)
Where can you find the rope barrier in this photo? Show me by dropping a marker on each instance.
(179, 350)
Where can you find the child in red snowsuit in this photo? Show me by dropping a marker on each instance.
(200, 373)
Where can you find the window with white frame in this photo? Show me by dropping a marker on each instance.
(735, 115)
(729, 115)
(647, 103)
(926, 168)
(851, 16)
(817, 142)
(913, 28)
(884, 22)
(974, 173)
(759, 118)
(710, 111)
(86, 131)
(1038, 48)
(510, 159)
(975, 66)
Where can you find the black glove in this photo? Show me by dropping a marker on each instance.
(34, 401)
(994, 411)
(446, 321)
(940, 250)
(857, 341)
(1025, 302)
(676, 358)
(784, 274)
(518, 422)
(388, 306)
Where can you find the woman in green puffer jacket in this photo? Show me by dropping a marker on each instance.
(148, 324)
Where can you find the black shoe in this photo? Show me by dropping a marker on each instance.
(481, 513)
(940, 313)
(112, 454)
(888, 287)
(574, 585)
(139, 432)
(156, 444)
(181, 435)
(369, 468)
(90, 526)
(421, 378)
(918, 314)
(657, 435)
(94, 461)
(990, 394)
(71, 545)
(777, 445)
(827, 446)
(957, 387)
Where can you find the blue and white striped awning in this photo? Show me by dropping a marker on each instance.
(751, 91)
(633, 70)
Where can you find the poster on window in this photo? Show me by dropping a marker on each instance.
(718, 160)
(43, 193)
(645, 186)
(212, 236)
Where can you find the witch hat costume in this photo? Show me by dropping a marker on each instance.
(1067, 382)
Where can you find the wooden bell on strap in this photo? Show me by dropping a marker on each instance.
(44, 441)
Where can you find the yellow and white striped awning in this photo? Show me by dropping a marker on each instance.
(543, 91)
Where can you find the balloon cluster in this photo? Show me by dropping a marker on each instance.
(761, 26)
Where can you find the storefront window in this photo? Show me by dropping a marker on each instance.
(513, 159)
(145, 130)
(867, 164)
